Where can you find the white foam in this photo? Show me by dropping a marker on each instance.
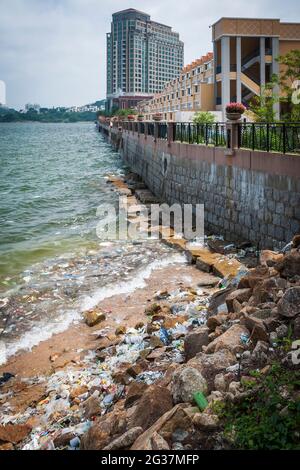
(40, 332)
(43, 331)
(126, 287)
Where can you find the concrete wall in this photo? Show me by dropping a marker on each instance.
(252, 195)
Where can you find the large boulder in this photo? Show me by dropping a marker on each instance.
(154, 403)
(179, 417)
(14, 433)
(103, 429)
(212, 364)
(290, 265)
(230, 340)
(289, 305)
(135, 392)
(126, 440)
(240, 295)
(254, 276)
(186, 382)
(194, 341)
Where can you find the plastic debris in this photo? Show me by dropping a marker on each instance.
(200, 400)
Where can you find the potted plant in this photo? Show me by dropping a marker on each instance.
(157, 117)
(131, 117)
(140, 117)
(234, 111)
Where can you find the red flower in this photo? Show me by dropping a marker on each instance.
(235, 108)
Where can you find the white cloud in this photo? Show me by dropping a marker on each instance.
(53, 51)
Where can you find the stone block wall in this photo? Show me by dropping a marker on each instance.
(251, 196)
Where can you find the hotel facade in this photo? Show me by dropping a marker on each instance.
(142, 56)
(191, 91)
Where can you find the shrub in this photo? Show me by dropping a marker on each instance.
(270, 417)
(204, 117)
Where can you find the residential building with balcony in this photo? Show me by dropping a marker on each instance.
(142, 56)
(191, 91)
(245, 53)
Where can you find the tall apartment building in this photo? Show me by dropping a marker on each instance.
(142, 56)
(191, 91)
(245, 52)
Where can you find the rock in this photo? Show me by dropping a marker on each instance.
(254, 276)
(220, 383)
(216, 320)
(256, 327)
(121, 377)
(126, 440)
(296, 241)
(156, 354)
(120, 330)
(93, 317)
(7, 446)
(212, 364)
(194, 341)
(241, 295)
(171, 321)
(134, 393)
(135, 370)
(290, 265)
(206, 422)
(186, 382)
(270, 258)
(94, 439)
(156, 342)
(152, 309)
(235, 388)
(154, 403)
(104, 427)
(14, 433)
(158, 442)
(178, 417)
(91, 407)
(289, 305)
(77, 391)
(139, 325)
(63, 439)
(230, 340)
(296, 327)
(282, 331)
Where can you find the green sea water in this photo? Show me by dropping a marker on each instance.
(52, 179)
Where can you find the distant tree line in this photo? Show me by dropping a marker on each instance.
(45, 115)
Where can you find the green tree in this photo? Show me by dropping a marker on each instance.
(125, 112)
(204, 117)
(288, 77)
(262, 105)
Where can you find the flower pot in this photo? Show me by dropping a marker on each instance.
(233, 116)
(140, 118)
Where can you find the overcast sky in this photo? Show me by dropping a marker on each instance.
(52, 52)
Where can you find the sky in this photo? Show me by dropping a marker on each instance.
(52, 52)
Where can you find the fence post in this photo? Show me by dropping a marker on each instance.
(232, 134)
(156, 124)
(171, 132)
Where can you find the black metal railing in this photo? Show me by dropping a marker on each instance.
(267, 137)
(270, 137)
(207, 134)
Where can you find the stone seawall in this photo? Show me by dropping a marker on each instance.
(252, 195)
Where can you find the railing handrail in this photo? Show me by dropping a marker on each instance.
(279, 136)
